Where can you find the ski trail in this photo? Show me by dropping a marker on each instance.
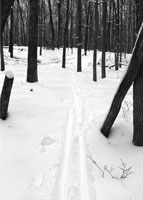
(84, 192)
(67, 150)
(72, 180)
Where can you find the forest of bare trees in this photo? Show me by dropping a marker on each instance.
(121, 21)
(107, 25)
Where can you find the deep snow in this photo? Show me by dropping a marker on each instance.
(51, 146)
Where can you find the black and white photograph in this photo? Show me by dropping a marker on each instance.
(71, 100)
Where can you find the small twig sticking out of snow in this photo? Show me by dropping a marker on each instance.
(110, 170)
(126, 171)
(95, 163)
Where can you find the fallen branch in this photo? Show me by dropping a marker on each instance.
(95, 163)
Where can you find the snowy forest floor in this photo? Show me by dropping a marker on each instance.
(51, 147)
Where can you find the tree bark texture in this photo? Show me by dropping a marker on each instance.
(41, 27)
(65, 35)
(52, 25)
(79, 45)
(138, 106)
(5, 11)
(86, 28)
(5, 96)
(116, 10)
(104, 15)
(32, 75)
(95, 42)
(59, 24)
(23, 35)
(129, 78)
(1, 54)
(11, 34)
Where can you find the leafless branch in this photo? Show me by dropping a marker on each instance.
(95, 163)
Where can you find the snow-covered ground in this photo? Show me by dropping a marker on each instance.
(51, 147)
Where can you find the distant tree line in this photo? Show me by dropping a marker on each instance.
(122, 22)
(106, 25)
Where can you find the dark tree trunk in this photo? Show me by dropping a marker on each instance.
(71, 26)
(121, 31)
(22, 23)
(79, 45)
(11, 34)
(71, 32)
(139, 14)
(86, 29)
(109, 27)
(104, 40)
(129, 41)
(32, 75)
(1, 54)
(52, 25)
(129, 78)
(59, 24)
(91, 30)
(116, 9)
(5, 95)
(95, 42)
(41, 28)
(138, 107)
(65, 35)
(5, 11)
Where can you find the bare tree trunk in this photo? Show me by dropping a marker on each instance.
(5, 95)
(79, 45)
(87, 28)
(11, 34)
(1, 54)
(5, 11)
(129, 78)
(95, 42)
(116, 9)
(59, 23)
(32, 75)
(41, 28)
(52, 25)
(138, 107)
(121, 31)
(71, 32)
(71, 26)
(65, 35)
(109, 27)
(22, 23)
(104, 40)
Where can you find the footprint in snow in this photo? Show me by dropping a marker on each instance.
(46, 142)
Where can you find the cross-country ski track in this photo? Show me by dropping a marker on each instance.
(74, 153)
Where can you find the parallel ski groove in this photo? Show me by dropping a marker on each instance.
(74, 122)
